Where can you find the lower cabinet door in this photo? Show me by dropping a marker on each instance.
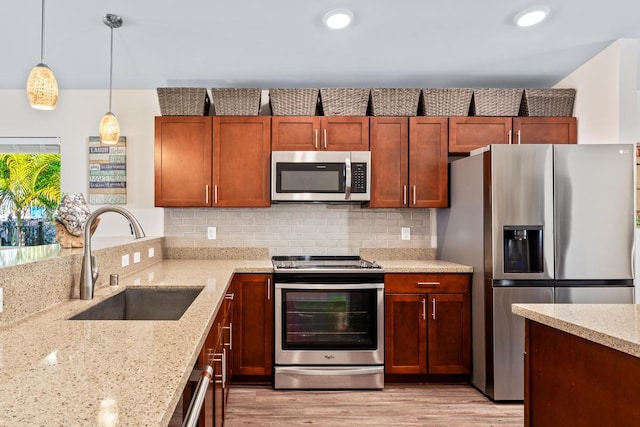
(449, 318)
(405, 334)
(253, 328)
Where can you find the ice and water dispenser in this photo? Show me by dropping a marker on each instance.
(522, 249)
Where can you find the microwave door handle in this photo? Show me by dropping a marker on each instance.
(347, 167)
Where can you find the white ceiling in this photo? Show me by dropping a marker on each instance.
(282, 43)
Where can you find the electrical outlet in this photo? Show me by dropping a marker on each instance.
(406, 233)
(1, 300)
(212, 233)
(151, 252)
(136, 257)
(125, 260)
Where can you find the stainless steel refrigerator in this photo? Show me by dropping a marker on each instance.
(538, 223)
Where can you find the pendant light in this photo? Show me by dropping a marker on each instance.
(42, 86)
(109, 126)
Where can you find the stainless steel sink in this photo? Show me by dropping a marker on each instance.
(142, 304)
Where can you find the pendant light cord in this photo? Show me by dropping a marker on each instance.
(110, 68)
(42, 36)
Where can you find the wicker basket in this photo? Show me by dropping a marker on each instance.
(547, 102)
(496, 102)
(183, 101)
(445, 102)
(344, 101)
(236, 102)
(293, 102)
(394, 102)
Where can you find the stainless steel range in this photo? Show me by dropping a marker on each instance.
(329, 323)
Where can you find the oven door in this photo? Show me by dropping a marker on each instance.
(329, 324)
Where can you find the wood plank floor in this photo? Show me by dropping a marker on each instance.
(396, 405)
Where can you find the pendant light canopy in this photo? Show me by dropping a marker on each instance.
(42, 86)
(109, 126)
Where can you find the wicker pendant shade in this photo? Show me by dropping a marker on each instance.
(42, 86)
(109, 126)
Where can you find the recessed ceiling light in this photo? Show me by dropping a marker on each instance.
(531, 16)
(337, 19)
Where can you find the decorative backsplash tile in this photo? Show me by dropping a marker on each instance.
(299, 229)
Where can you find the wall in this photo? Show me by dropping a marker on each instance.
(606, 101)
(301, 229)
(317, 228)
(77, 117)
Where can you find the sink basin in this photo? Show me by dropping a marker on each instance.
(142, 304)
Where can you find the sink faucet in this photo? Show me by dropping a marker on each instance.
(89, 273)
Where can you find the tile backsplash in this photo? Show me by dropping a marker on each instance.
(300, 229)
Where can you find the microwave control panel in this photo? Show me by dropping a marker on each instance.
(358, 177)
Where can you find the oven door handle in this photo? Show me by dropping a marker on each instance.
(330, 286)
(330, 370)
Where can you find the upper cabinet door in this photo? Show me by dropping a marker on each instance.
(428, 162)
(292, 133)
(241, 161)
(183, 147)
(389, 162)
(468, 133)
(545, 130)
(307, 133)
(345, 133)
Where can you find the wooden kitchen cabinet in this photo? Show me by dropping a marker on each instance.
(253, 334)
(183, 168)
(469, 133)
(427, 326)
(216, 352)
(310, 133)
(221, 161)
(409, 162)
(241, 161)
(545, 130)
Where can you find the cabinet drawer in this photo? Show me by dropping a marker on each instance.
(427, 283)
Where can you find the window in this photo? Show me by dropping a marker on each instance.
(29, 190)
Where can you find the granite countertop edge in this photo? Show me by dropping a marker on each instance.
(616, 326)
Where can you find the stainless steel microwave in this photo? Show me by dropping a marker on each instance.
(320, 176)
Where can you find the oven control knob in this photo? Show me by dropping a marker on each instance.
(374, 264)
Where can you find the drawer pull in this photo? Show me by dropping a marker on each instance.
(428, 284)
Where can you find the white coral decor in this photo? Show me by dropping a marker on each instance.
(73, 212)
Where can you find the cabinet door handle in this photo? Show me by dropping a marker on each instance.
(518, 136)
(268, 289)
(509, 136)
(325, 139)
(230, 328)
(414, 194)
(206, 194)
(404, 195)
(315, 142)
(215, 194)
(424, 309)
(229, 296)
(223, 374)
(433, 308)
(428, 284)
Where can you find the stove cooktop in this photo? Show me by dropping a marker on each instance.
(323, 263)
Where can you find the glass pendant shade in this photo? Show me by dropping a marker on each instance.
(109, 129)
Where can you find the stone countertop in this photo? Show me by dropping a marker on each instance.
(423, 266)
(616, 326)
(55, 371)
